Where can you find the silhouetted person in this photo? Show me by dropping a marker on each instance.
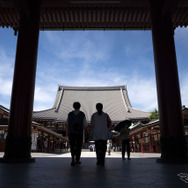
(76, 122)
(45, 145)
(109, 145)
(100, 122)
(61, 146)
(39, 143)
(124, 132)
(154, 147)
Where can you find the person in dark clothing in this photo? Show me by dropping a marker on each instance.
(124, 133)
(61, 146)
(76, 121)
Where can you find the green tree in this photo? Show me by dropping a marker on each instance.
(154, 115)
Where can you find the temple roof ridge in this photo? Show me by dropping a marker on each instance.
(137, 110)
(49, 109)
(92, 87)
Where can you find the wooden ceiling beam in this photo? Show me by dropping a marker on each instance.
(168, 8)
(137, 3)
(22, 7)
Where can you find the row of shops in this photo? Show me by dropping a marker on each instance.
(42, 138)
(146, 137)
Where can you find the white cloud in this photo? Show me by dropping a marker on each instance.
(6, 68)
(6, 76)
(184, 90)
(44, 96)
(69, 45)
(83, 59)
(41, 95)
(142, 93)
(6, 86)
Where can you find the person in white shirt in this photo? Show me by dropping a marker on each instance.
(100, 122)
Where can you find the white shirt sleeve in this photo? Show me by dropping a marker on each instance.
(67, 122)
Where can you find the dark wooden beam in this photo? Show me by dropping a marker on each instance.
(169, 7)
(61, 3)
(22, 7)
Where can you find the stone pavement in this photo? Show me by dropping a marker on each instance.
(54, 170)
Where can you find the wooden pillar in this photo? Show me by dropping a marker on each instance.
(141, 144)
(18, 142)
(151, 143)
(49, 144)
(173, 145)
(53, 146)
(42, 141)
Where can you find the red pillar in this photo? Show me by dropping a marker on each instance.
(18, 142)
(141, 144)
(173, 145)
(53, 146)
(49, 144)
(151, 143)
(42, 142)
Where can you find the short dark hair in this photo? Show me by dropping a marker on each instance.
(99, 106)
(76, 105)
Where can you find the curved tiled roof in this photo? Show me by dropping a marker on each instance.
(4, 109)
(115, 102)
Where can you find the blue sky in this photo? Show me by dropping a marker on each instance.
(93, 58)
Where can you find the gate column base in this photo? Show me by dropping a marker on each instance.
(18, 150)
(173, 150)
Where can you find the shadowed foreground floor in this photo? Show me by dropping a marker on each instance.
(54, 170)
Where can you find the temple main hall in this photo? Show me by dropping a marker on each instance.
(115, 100)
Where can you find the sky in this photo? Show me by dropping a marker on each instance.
(93, 58)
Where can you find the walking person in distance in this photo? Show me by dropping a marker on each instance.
(124, 133)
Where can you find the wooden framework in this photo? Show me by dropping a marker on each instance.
(146, 137)
(92, 14)
(54, 139)
(29, 16)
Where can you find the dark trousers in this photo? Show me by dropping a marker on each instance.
(125, 143)
(100, 146)
(75, 145)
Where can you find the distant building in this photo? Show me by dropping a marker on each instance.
(115, 101)
(145, 137)
(38, 135)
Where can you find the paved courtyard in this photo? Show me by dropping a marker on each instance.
(54, 170)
